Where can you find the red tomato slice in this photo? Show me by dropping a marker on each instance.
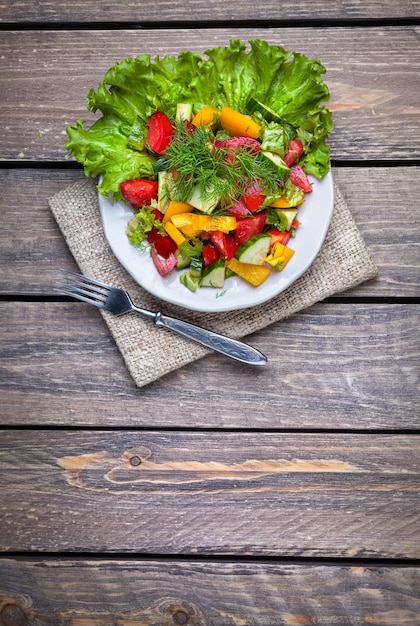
(225, 244)
(294, 152)
(253, 197)
(160, 132)
(300, 179)
(209, 254)
(139, 192)
(158, 214)
(248, 227)
(164, 245)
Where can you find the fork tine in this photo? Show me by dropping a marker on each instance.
(73, 288)
(84, 285)
(82, 288)
(79, 296)
(67, 274)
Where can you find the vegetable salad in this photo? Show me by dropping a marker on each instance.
(212, 154)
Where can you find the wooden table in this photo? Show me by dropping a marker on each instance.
(282, 499)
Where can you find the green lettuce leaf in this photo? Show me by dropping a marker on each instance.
(289, 83)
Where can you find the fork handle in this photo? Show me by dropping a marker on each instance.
(225, 345)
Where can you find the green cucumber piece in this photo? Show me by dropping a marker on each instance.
(286, 217)
(214, 275)
(204, 204)
(182, 261)
(165, 183)
(268, 114)
(254, 250)
(281, 167)
(196, 266)
(191, 282)
(184, 111)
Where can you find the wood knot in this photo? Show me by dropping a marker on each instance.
(180, 617)
(12, 615)
(180, 614)
(136, 456)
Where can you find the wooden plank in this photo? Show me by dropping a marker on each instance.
(78, 592)
(332, 366)
(374, 89)
(214, 493)
(106, 11)
(381, 200)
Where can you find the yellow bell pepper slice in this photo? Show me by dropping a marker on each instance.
(279, 256)
(281, 203)
(198, 222)
(175, 234)
(174, 208)
(207, 116)
(237, 124)
(253, 274)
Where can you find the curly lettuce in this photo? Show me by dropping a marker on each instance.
(288, 83)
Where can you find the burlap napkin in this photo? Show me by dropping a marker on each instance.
(151, 352)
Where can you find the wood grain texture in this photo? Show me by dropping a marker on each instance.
(372, 74)
(32, 248)
(185, 525)
(189, 10)
(205, 593)
(332, 366)
(210, 493)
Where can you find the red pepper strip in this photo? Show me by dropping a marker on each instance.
(279, 236)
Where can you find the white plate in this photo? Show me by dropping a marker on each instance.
(315, 216)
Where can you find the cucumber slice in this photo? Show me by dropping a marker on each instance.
(196, 266)
(205, 205)
(165, 182)
(182, 261)
(286, 217)
(191, 282)
(184, 111)
(282, 169)
(254, 250)
(268, 114)
(214, 275)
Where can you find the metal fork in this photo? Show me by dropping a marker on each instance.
(118, 301)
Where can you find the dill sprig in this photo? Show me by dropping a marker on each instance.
(220, 172)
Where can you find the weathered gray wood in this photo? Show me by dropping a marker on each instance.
(372, 74)
(205, 592)
(383, 202)
(106, 11)
(332, 366)
(212, 493)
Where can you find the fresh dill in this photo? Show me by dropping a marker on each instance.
(217, 172)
